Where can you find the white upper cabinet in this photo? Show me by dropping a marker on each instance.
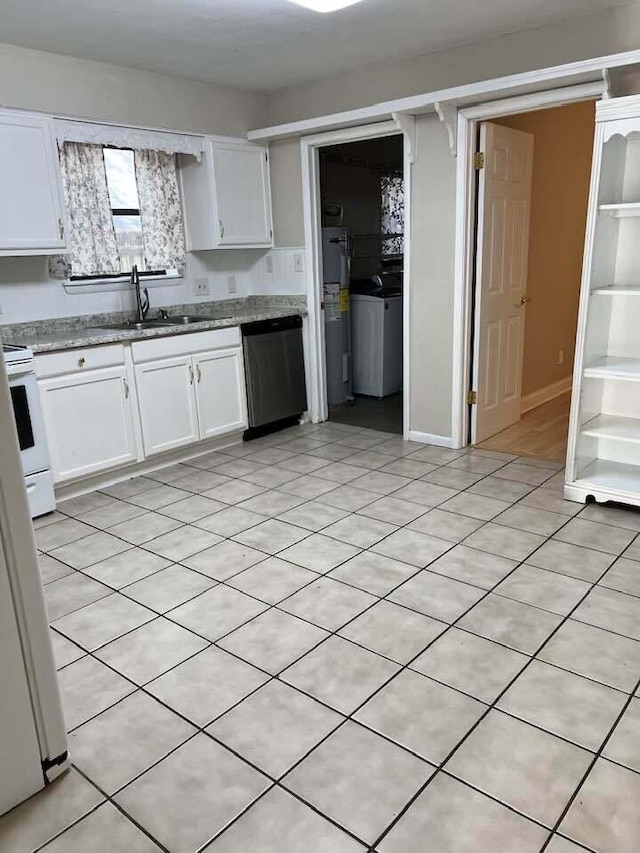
(227, 197)
(32, 212)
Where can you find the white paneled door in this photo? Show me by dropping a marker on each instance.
(504, 202)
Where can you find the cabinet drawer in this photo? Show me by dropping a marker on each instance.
(185, 344)
(80, 359)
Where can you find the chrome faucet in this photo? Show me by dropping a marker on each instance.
(142, 305)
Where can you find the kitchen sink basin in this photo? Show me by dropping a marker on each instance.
(188, 319)
(133, 326)
(163, 323)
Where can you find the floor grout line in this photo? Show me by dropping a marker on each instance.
(331, 634)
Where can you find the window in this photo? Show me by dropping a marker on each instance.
(392, 214)
(125, 207)
(124, 210)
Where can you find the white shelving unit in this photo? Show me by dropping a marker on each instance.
(603, 457)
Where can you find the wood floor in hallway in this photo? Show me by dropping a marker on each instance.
(541, 432)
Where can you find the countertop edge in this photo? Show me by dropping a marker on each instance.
(97, 336)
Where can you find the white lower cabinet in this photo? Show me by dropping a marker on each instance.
(167, 404)
(89, 422)
(108, 406)
(220, 392)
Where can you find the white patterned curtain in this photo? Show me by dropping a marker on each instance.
(392, 214)
(92, 238)
(160, 210)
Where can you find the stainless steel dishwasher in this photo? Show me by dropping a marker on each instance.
(274, 369)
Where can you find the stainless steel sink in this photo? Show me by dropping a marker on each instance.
(164, 323)
(133, 326)
(188, 319)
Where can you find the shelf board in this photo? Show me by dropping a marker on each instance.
(614, 427)
(630, 208)
(603, 474)
(617, 290)
(611, 367)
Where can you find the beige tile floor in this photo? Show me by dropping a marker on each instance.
(331, 640)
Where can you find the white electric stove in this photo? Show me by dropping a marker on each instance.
(30, 425)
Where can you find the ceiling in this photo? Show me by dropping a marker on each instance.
(266, 45)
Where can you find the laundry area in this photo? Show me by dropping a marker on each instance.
(362, 217)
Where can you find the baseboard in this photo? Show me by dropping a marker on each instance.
(429, 438)
(544, 395)
(65, 491)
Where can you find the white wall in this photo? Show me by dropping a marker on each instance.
(49, 82)
(433, 185)
(286, 192)
(63, 85)
(432, 259)
(611, 31)
(27, 292)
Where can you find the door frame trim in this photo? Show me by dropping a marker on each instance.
(465, 250)
(309, 155)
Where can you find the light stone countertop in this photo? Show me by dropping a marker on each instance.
(72, 332)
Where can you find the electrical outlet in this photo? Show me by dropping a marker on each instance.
(269, 264)
(560, 356)
(298, 262)
(202, 286)
(232, 284)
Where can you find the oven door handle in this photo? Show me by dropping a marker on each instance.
(15, 371)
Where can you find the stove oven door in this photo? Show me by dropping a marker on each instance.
(28, 417)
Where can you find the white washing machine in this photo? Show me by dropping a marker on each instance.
(376, 344)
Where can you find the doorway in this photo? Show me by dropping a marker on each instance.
(532, 193)
(362, 209)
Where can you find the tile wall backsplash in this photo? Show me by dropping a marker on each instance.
(27, 292)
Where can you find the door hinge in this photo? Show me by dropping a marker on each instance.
(472, 398)
(478, 160)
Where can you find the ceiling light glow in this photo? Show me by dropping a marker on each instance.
(325, 5)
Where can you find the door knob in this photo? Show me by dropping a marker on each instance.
(524, 299)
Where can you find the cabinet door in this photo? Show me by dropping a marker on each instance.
(167, 404)
(220, 392)
(88, 419)
(242, 198)
(32, 218)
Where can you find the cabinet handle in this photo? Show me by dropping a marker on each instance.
(198, 374)
(81, 361)
(190, 374)
(61, 228)
(126, 389)
(221, 228)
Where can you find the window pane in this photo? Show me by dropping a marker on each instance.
(129, 239)
(121, 178)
